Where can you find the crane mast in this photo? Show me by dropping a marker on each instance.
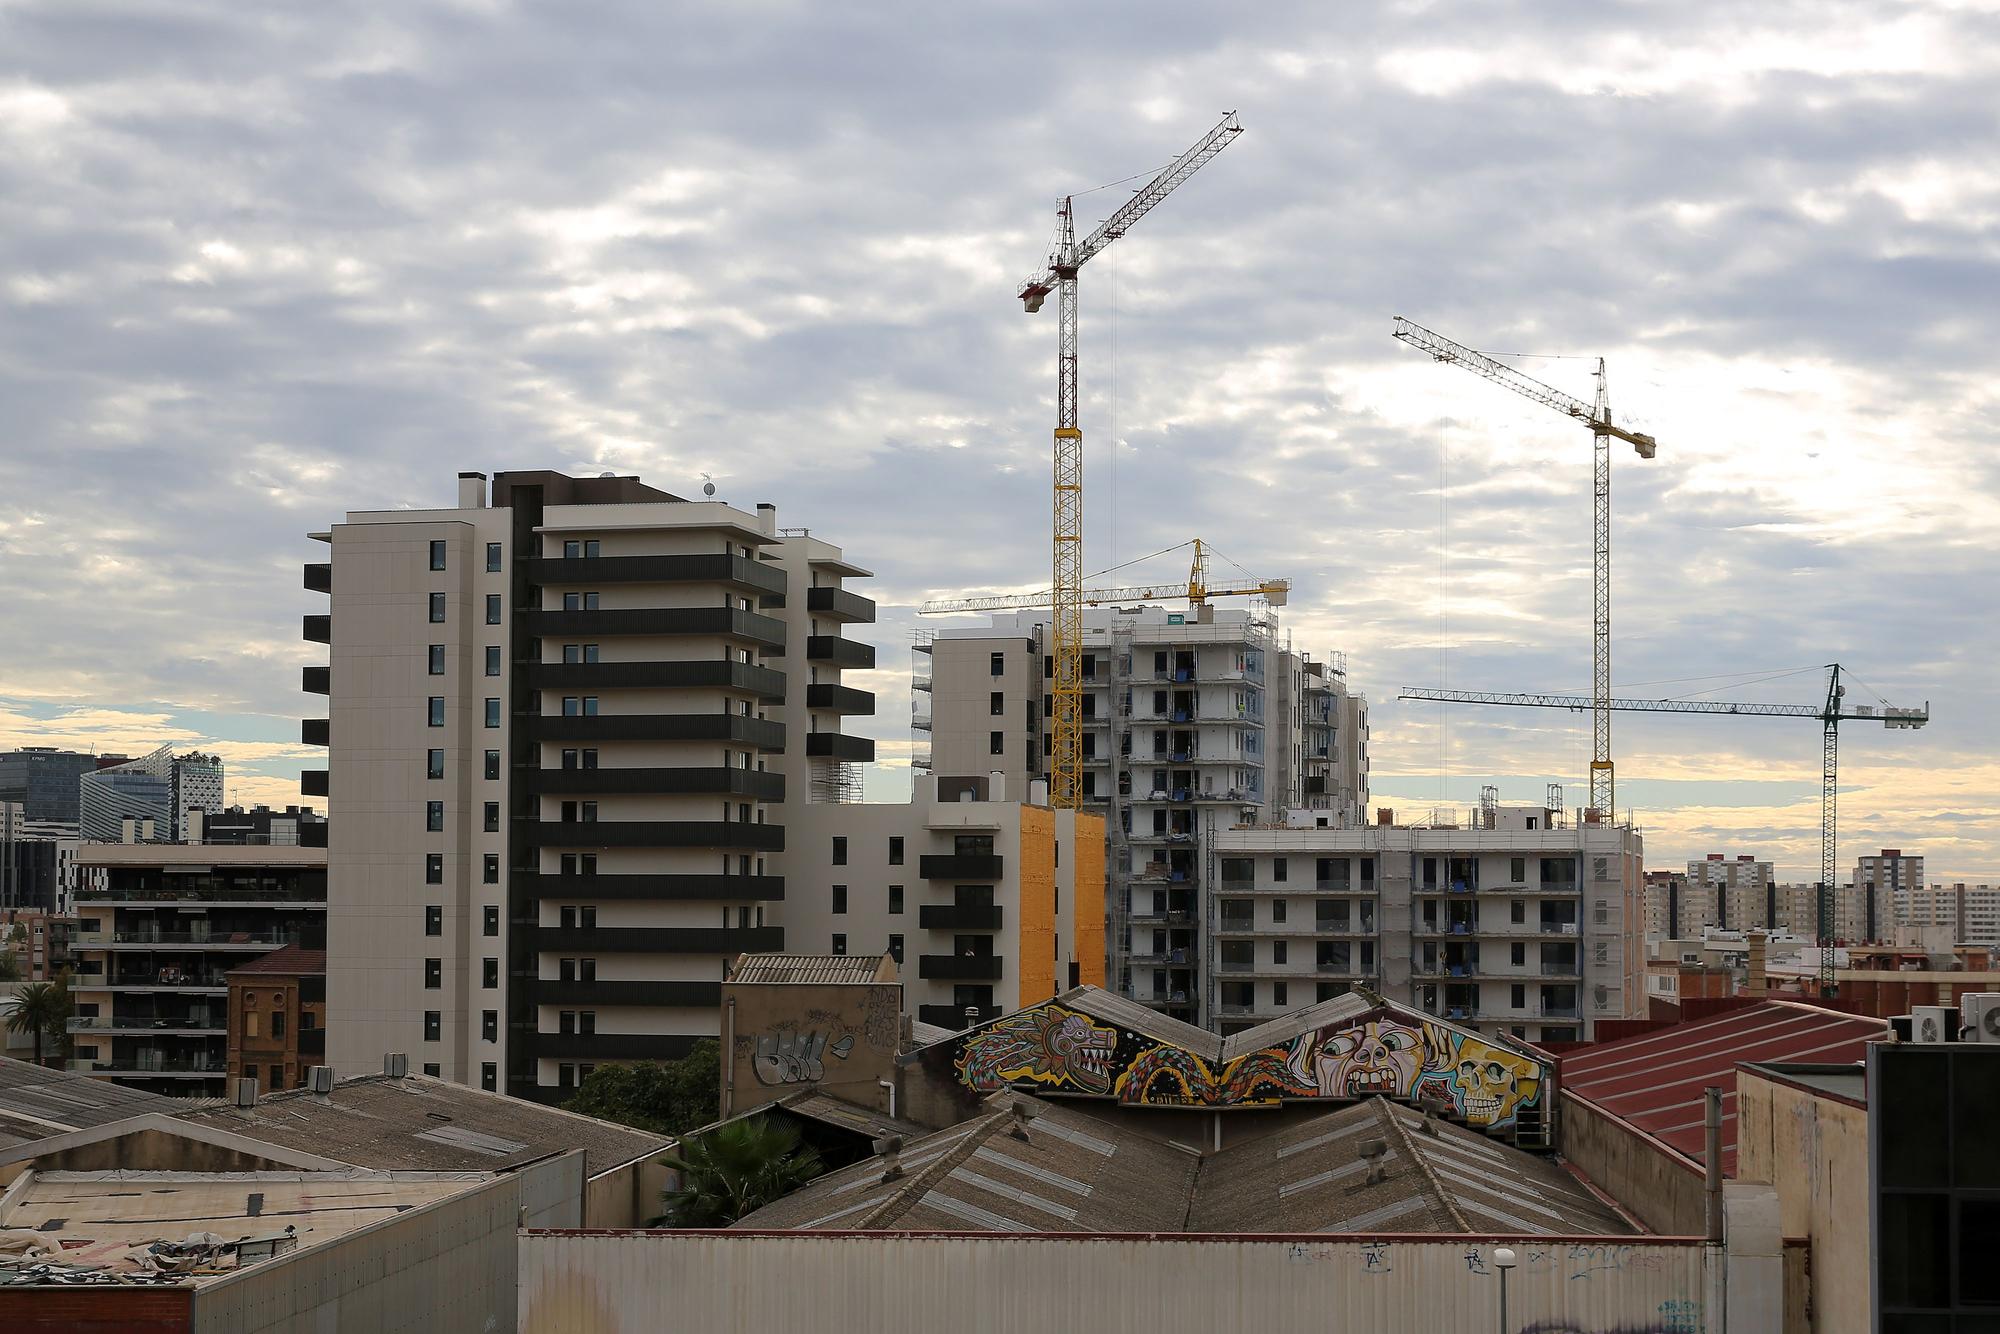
(1830, 715)
(1066, 595)
(1597, 416)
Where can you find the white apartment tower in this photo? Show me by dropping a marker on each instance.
(1193, 722)
(563, 722)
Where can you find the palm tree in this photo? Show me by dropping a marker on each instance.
(37, 1009)
(734, 1170)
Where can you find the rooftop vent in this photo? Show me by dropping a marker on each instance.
(890, 1149)
(246, 1091)
(396, 1064)
(320, 1079)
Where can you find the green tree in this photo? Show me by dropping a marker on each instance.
(668, 1098)
(40, 1009)
(736, 1169)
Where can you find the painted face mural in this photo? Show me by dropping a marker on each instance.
(1049, 1045)
(1491, 1084)
(1379, 1056)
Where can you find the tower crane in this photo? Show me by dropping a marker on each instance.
(1597, 416)
(1197, 590)
(1831, 714)
(1066, 593)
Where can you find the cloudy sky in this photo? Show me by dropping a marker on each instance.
(263, 264)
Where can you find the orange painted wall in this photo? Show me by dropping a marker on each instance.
(1087, 904)
(1037, 934)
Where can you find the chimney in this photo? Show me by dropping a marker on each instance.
(767, 518)
(197, 825)
(472, 490)
(996, 785)
(246, 1091)
(1757, 984)
(1038, 792)
(1385, 816)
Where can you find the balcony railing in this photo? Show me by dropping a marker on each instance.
(954, 1016)
(966, 866)
(952, 917)
(1558, 928)
(201, 939)
(960, 967)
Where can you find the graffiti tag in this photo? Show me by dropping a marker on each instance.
(796, 1057)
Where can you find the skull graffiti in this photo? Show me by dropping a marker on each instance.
(1492, 1084)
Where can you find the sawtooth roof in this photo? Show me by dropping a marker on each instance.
(36, 1102)
(813, 968)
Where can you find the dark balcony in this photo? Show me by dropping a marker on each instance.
(753, 783)
(952, 917)
(733, 834)
(840, 652)
(719, 568)
(319, 629)
(840, 605)
(317, 681)
(312, 1042)
(839, 746)
(1315, 785)
(657, 939)
(762, 733)
(610, 1047)
(314, 731)
(319, 576)
(960, 967)
(953, 1016)
(980, 867)
(706, 674)
(666, 888)
(312, 782)
(714, 621)
(841, 699)
(588, 994)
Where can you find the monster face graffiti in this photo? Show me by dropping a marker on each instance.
(1045, 1045)
(1381, 1056)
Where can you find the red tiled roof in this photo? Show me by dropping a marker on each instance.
(289, 960)
(1654, 1081)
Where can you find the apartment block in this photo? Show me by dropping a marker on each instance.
(565, 723)
(1733, 893)
(1861, 913)
(1969, 914)
(1518, 921)
(988, 904)
(277, 1018)
(1890, 870)
(1193, 722)
(159, 928)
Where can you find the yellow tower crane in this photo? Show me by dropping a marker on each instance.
(1197, 590)
(1066, 596)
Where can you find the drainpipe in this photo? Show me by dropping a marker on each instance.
(890, 1085)
(1716, 1285)
(728, 1108)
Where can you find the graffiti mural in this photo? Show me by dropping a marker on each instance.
(1046, 1045)
(1387, 1052)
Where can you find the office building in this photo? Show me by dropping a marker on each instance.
(1514, 921)
(198, 786)
(565, 724)
(159, 928)
(987, 904)
(129, 802)
(43, 781)
(1192, 722)
(37, 861)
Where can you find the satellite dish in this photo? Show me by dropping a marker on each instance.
(607, 475)
(707, 485)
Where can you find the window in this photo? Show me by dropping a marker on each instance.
(566, 970)
(586, 970)
(489, 974)
(493, 660)
(840, 898)
(433, 920)
(489, 1076)
(1280, 868)
(996, 704)
(492, 817)
(586, 1023)
(433, 1025)
(437, 660)
(434, 764)
(492, 558)
(490, 921)
(492, 713)
(839, 851)
(896, 851)
(433, 1069)
(839, 943)
(566, 1076)
(999, 664)
(437, 609)
(581, 601)
(437, 711)
(996, 743)
(1277, 951)
(489, 869)
(1279, 995)
(569, 759)
(433, 974)
(586, 549)
(1518, 996)
(253, 1024)
(434, 868)
(1518, 912)
(437, 555)
(895, 900)
(1519, 955)
(493, 609)
(492, 765)
(1277, 910)
(1517, 871)
(489, 1025)
(896, 948)
(434, 817)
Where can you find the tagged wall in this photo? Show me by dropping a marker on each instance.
(1053, 1048)
(783, 1038)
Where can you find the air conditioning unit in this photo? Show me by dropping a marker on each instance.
(1933, 1023)
(1979, 1016)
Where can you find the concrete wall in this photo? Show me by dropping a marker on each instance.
(1652, 1181)
(783, 1038)
(1813, 1149)
(585, 1283)
(147, 1151)
(627, 1196)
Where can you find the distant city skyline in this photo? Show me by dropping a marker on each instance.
(260, 273)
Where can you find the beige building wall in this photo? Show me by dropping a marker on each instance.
(1812, 1147)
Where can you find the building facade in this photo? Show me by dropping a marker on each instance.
(294, 826)
(43, 781)
(1732, 894)
(1969, 914)
(37, 861)
(1889, 870)
(565, 725)
(129, 802)
(1519, 922)
(1192, 722)
(159, 927)
(277, 1018)
(988, 905)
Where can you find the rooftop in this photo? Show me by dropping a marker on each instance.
(36, 1102)
(290, 961)
(1654, 1081)
(813, 968)
(186, 855)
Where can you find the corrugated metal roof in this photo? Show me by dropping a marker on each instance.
(1654, 1081)
(810, 968)
(36, 1102)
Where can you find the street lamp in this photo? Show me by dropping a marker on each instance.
(1503, 1260)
